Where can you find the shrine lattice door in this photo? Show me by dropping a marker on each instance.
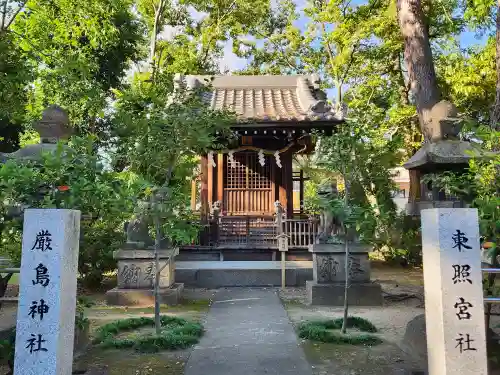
(248, 186)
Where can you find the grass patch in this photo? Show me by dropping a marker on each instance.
(292, 302)
(14, 280)
(352, 322)
(176, 333)
(328, 331)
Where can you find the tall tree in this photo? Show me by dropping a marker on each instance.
(418, 58)
(16, 74)
(161, 127)
(484, 16)
(495, 114)
(79, 52)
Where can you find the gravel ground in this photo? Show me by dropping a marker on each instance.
(127, 362)
(403, 300)
(390, 319)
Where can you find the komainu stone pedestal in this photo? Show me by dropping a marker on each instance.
(327, 286)
(136, 272)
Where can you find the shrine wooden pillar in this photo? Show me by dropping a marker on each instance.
(220, 178)
(301, 192)
(288, 174)
(210, 183)
(285, 182)
(205, 209)
(193, 194)
(280, 182)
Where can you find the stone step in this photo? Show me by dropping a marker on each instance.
(217, 274)
(9, 299)
(237, 252)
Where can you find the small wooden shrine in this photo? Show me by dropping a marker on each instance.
(246, 193)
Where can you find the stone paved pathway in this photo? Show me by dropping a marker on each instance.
(247, 333)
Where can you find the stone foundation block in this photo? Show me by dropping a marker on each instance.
(360, 294)
(136, 268)
(144, 297)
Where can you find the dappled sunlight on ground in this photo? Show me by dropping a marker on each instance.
(396, 275)
(129, 362)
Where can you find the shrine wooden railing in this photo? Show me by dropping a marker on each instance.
(244, 231)
(301, 232)
(260, 231)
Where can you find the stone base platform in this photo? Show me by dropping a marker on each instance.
(360, 294)
(144, 297)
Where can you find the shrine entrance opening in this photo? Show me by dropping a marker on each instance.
(248, 200)
(248, 185)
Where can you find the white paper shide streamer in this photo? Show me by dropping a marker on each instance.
(232, 162)
(262, 159)
(277, 157)
(211, 159)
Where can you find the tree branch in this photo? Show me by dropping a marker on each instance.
(4, 14)
(328, 47)
(212, 37)
(15, 13)
(344, 9)
(349, 64)
(280, 49)
(154, 33)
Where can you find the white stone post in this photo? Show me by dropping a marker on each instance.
(454, 306)
(283, 248)
(47, 298)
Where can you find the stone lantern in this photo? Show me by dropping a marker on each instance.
(53, 127)
(442, 151)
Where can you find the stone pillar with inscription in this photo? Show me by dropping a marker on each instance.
(328, 284)
(454, 306)
(136, 273)
(283, 240)
(47, 298)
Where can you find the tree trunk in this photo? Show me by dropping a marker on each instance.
(4, 283)
(154, 37)
(157, 265)
(346, 287)
(495, 112)
(418, 59)
(155, 204)
(346, 263)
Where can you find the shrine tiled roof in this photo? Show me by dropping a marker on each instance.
(266, 98)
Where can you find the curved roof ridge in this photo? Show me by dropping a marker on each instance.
(301, 98)
(308, 100)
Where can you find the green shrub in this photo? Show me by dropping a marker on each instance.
(74, 177)
(7, 348)
(352, 322)
(176, 333)
(81, 320)
(322, 330)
